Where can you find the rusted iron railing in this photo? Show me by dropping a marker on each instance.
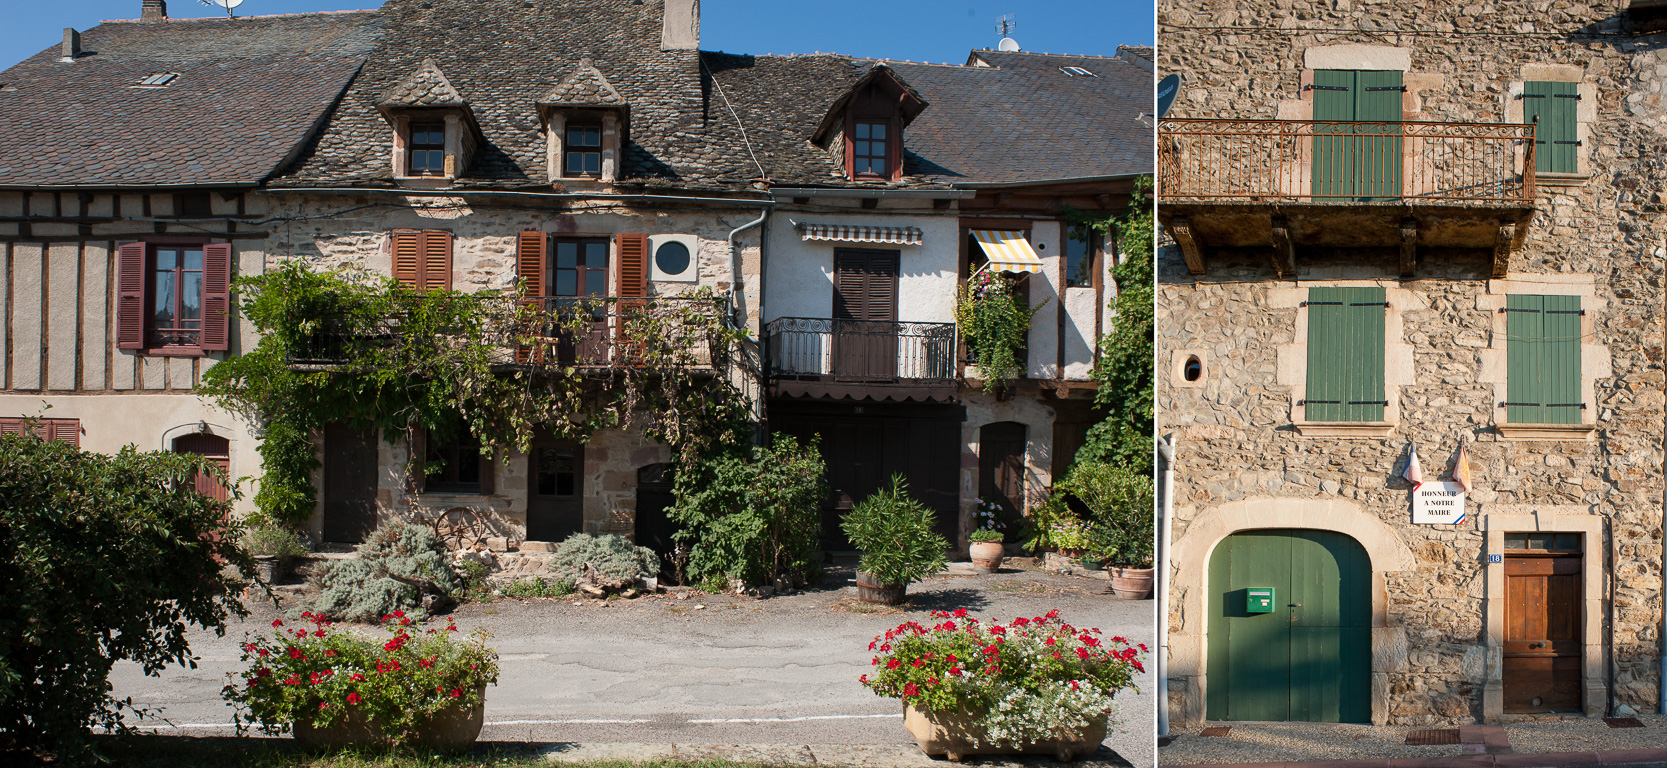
(1361, 162)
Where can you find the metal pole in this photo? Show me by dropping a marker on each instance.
(1166, 511)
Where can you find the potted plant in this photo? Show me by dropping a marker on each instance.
(329, 686)
(273, 547)
(995, 321)
(986, 549)
(898, 540)
(1032, 686)
(1122, 531)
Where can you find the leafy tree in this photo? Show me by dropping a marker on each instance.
(102, 559)
(753, 516)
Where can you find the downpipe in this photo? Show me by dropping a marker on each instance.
(737, 292)
(1166, 511)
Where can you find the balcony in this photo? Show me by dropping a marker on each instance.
(1298, 184)
(807, 356)
(591, 332)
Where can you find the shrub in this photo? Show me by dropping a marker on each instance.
(1119, 500)
(614, 558)
(361, 589)
(102, 559)
(896, 534)
(1023, 682)
(755, 517)
(536, 587)
(324, 674)
(995, 321)
(274, 541)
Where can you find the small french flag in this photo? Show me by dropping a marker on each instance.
(1414, 472)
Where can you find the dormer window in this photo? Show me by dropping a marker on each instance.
(584, 151)
(870, 151)
(435, 134)
(428, 149)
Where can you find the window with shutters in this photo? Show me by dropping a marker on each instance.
(61, 430)
(1553, 109)
(422, 259)
(865, 314)
(1345, 380)
(578, 267)
(174, 297)
(1542, 352)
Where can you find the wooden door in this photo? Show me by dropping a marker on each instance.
(865, 315)
(216, 449)
(556, 490)
(654, 495)
(1542, 661)
(1359, 157)
(349, 483)
(1309, 658)
(1001, 469)
(579, 282)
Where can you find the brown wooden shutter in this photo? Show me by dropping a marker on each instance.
(11, 426)
(64, 430)
(633, 266)
(436, 261)
(850, 285)
(530, 252)
(130, 296)
(217, 277)
(408, 257)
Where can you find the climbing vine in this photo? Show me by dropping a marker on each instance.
(995, 321)
(1125, 364)
(362, 349)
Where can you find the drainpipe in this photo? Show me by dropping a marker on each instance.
(1166, 511)
(735, 278)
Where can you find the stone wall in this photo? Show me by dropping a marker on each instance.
(1597, 236)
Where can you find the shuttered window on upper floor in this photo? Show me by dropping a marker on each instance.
(61, 430)
(1345, 354)
(1542, 349)
(173, 297)
(1553, 109)
(422, 258)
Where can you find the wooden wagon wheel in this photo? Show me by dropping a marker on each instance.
(460, 528)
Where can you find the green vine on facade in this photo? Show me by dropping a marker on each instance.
(364, 350)
(1125, 365)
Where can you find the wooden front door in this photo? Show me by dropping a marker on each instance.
(865, 315)
(1001, 469)
(654, 495)
(349, 483)
(556, 490)
(1309, 656)
(1542, 622)
(1359, 157)
(215, 448)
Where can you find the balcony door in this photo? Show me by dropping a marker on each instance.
(1357, 134)
(865, 315)
(579, 272)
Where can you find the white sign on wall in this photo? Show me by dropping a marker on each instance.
(1438, 503)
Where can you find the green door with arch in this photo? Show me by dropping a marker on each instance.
(1308, 656)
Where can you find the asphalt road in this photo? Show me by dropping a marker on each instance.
(662, 670)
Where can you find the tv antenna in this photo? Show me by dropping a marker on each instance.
(1005, 25)
(226, 4)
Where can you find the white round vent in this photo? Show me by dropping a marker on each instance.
(674, 258)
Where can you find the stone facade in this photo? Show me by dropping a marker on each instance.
(1246, 461)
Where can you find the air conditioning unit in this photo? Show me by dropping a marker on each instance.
(675, 258)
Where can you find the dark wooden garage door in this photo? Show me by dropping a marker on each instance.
(349, 483)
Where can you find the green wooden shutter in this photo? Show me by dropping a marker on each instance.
(1553, 108)
(1333, 100)
(1542, 351)
(1377, 99)
(1345, 354)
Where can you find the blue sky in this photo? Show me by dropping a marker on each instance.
(915, 30)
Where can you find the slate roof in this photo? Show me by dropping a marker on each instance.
(248, 92)
(426, 87)
(586, 87)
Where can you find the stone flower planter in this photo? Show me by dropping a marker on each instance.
(987, 555)
(953, 735)
(872, 590)
(451, 730)
(1132, 583)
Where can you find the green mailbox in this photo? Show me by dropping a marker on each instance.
(1258, 600)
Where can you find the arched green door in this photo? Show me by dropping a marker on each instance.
(1308, 657)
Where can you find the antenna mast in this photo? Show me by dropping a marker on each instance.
(1005, 25)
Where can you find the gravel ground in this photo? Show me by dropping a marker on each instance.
(1289, 742)
(707, 669)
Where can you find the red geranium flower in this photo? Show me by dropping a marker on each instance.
(354, 698)
(277, 622)
(909, 689)
(893, 664)
(1082, 653)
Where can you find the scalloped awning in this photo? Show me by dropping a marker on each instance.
(861, 234)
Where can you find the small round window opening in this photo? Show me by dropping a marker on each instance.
(672, 258)
(1193, 370)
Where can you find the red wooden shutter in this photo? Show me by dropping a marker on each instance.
(531, 248)
(436, 270)
(632, 279)
(11, 426)
(64, 430)
(217, 296)
(130, 296)
(408, 248)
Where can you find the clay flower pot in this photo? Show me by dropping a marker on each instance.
(451, 730)
(872, 590)
(1132, 583)
(987, 555)
(953, 736)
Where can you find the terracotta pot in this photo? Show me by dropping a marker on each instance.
(953, 735)
(872, 590)
(269, 568)
(1132, 583)
(987, 555)
(451, 729)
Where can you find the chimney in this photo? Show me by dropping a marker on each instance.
(680, 28)
(72, 44)
(154, 10)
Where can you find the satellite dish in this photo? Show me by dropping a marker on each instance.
(226, 4)
(1007, 43)
(1168, 89)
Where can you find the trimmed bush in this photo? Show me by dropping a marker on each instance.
(361, 590)
(614, 557)
(756, 517)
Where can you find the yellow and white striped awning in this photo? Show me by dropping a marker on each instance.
(1008, 251)
(860, 234)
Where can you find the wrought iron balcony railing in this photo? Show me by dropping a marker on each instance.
(1346, 162)
(581, 332)
(859, 350)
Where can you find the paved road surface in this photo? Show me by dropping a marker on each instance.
(659, 670)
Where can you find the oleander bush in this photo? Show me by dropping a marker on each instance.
(897, 535)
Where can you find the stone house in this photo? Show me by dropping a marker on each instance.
(1438, 231)
(584, 148)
